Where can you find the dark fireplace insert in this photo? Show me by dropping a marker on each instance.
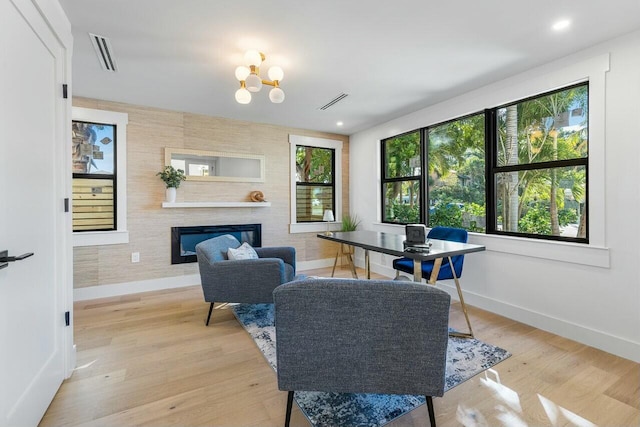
(185, 239)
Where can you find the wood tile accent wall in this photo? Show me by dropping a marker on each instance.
(149, 131)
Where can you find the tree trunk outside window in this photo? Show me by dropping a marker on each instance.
(511, 214)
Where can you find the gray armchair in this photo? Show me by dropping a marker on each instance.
(247, 281)
(361, 336)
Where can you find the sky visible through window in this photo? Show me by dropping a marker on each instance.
(104, 165)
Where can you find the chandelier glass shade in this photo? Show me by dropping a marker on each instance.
(250, 81)
(254, 83)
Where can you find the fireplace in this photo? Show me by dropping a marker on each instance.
(185, 239)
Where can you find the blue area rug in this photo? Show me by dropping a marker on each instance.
(465, 358)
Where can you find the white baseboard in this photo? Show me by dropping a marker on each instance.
(585, 335)
(594, 338)
(302, 266)
(118, 289)
(591, 337)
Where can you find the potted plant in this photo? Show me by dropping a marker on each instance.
(350, 222)
(172, 178)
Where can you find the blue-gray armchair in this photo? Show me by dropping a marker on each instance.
(361, 336)
(247, 281)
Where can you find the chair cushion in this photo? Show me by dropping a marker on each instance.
(245, 251)
(440, 233)
(406, 265)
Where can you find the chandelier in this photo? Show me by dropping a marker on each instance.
(250, 80)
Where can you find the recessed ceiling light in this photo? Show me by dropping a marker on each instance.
(563, 24)
(339, 123)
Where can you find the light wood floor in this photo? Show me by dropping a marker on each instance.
(148, 359)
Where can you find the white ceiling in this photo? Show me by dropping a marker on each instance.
(391, 57)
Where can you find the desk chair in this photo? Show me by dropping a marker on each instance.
(435, 270)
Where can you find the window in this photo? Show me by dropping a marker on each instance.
(94, 176)
(456, 174)
(316, 182)
(99, 177)
(539, 174)
(401, 178)
(454, 177)
(518, 169)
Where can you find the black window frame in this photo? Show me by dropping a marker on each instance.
(426, 155)
(332, 185)
(421, 179)
(491, 169)
(111, 177)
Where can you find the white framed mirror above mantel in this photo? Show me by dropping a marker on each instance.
(214, 166)
(217, 166)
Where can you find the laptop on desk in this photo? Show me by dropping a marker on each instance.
(416, 240)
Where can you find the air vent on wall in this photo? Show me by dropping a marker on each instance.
(334, 101)
(103, 49)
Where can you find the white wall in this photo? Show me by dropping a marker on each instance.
(586, 293)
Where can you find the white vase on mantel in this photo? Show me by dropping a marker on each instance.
(170, 195)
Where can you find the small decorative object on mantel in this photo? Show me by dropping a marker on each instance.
(257, 196)
(172, 178)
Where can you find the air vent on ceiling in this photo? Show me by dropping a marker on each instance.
(334, 101)
(102, 45)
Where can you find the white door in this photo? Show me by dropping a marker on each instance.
(33, 291)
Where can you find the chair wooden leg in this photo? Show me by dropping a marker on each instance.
(210, 311)
(432, 416)
(289, 405)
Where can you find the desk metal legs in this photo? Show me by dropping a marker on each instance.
(367, 263)
(462, 304)
(352, 266)
(417, 276)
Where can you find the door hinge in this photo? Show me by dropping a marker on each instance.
(64, 91)
(66, 204)
(66, 318)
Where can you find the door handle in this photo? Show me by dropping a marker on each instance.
(5, 259)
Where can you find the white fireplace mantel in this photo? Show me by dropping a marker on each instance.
(216, 205)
